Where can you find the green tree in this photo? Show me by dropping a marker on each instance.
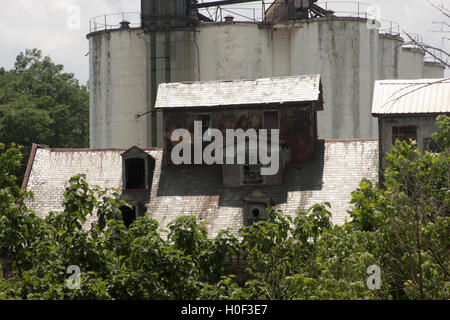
(402, 228)
(410, 219)
(39, 103)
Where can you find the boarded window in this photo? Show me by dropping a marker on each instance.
(404, 133)
(251, 174)
(135, 173)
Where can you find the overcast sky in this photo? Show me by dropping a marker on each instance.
(51, 25)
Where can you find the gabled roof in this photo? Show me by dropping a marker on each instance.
(411, 96)
(305, 88)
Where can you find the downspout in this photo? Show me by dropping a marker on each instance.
(380, 152)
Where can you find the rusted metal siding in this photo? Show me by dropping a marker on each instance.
(162, 13)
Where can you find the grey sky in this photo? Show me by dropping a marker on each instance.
(43, 24)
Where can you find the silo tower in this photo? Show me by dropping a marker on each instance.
(169, 38)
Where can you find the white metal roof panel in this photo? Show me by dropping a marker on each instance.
(411, 96)
(239, 92)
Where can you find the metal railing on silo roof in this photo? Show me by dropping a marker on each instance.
(113, 21)
(361, 10)
(256, 12)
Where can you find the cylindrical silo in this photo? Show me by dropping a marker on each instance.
(411, 63)
(345, 53)
(117, 88)
(390, 49)
(234, 51)
(433, 70)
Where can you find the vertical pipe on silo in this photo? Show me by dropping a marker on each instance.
(153, 87)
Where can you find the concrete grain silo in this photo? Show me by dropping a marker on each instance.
(178, 40)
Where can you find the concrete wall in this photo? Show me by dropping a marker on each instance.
(117, 88)
(344, 52)
(389, 56)
(231, 51)
(411, 63)
(348, 55)
(433, 70)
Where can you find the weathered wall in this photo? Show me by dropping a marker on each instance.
(117, 89)
(296, 125)
(344, 52)
(231, 51)
(411, 63)
(389, 56)
(433, 70)
(348, 55)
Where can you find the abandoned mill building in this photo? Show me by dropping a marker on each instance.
(298, 67)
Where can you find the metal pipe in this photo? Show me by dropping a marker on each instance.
(153, 88)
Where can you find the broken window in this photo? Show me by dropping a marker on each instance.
(251, 174)
(128, 215)
(135, 173)
(205, 118)
(431, 146)
(404, 133)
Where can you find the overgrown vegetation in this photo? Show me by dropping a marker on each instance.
(402, 228)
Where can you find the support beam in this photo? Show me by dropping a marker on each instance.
(219, 3)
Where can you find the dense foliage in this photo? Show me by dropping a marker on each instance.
(401, 228)
(39, 103)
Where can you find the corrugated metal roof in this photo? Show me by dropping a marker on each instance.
(239, 92)
(411, 96)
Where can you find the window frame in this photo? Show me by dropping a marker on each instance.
(397, 129)
(251, 183)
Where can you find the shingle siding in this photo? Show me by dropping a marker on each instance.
(337, 169)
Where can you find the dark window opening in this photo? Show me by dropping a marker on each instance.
(135, 173)
(128, 215)
(270, 120)
(255, 212)
(205, 119)
(252, 174)
(431, 146)
(404, 133)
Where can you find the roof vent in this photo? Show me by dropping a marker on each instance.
(229, 18)
(125, 24)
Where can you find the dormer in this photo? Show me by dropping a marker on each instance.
(255, 207)
(137, 169)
